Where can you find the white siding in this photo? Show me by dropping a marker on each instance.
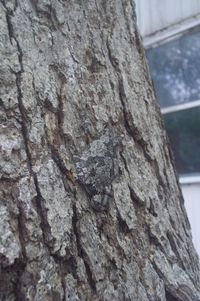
(191, 195)
(154, 15)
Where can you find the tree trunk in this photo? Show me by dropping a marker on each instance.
(90, 204)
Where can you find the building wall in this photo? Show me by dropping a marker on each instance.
(191, 193)
(154, 15)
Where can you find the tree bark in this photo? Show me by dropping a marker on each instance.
(90, 205)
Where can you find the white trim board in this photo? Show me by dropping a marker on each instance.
(183, 106)
(170, 32)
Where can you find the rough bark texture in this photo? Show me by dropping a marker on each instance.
(90, 207)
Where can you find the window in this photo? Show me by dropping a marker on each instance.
(175, 69)
(183, 128)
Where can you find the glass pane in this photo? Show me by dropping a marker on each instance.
(175, 69)
(183, 128)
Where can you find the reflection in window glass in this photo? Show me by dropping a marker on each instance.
(175, 68)
(183, 128)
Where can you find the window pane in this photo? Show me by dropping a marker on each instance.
(183, 128)
(175, 68)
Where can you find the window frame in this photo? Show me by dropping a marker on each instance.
(161, 37)
(171, 32)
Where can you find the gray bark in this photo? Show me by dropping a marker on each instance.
(90, 205)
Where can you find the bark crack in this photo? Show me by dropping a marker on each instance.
(124, 161)
(24, 120)
(131, 129)
(81, 251)
(48, 241)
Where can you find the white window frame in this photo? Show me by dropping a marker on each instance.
(171, 32)
(164, 36)
(181, 107)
